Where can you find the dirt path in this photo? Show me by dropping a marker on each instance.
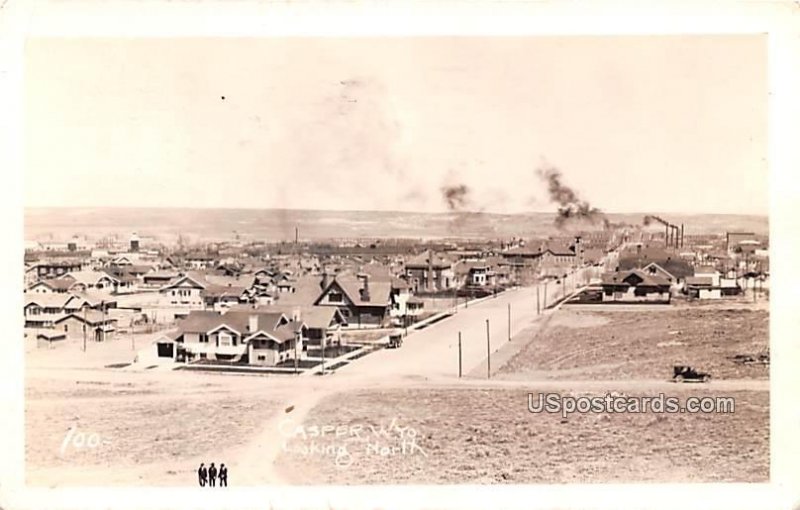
(255, 462)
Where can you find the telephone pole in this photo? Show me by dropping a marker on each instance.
(322, 344)
(84, 327)
(296, 337)
(488, 353)
(538, 308)
(509, 322)
(459, 354)
(545, 295)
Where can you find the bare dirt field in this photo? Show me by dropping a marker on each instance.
(138, 428)
(581, 344)
(489, 436)
(85, 422)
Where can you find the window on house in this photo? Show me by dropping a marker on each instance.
(203, 338)
(335, 297)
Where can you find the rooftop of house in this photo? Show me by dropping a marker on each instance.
(645, 279)
(88, 277)
(274, 324)
(521, 251)
(306, 291)
(559, 249)
(704, 270)
(224, 290)
(379, 292)
(57, 284)
(92, 317)
(426, 259)
(317, 317)
(669, 261)
(699, 280)
(47, 300)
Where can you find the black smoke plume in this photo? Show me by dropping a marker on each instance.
(570, 205)
(456, 197)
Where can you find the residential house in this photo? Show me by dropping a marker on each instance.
(708, 283)
(159, 279)
(667, 260)
(406, 307)
(635, 286)
(265, 339)
(323, 323)
(362, 302)
(94, 324)
(199, 261)
(55, 268)
(222, 297)
(429, 272)
(51, 286)
(184, 292)
(93, 280)
(43, 310)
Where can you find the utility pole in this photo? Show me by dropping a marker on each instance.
(509, 322)
(103, 324)
(459, 354)
(488, 353)
(84, 327)
(545, 295)
(296, 337)
(538, 306)
(133, 342)
(322, 344)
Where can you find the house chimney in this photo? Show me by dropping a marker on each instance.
(252, 323)
(365, 288)
(430, 270)
(325, 280)
(296, 315)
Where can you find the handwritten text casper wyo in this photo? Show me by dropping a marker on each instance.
(336, 441)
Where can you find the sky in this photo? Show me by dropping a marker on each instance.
(651, 123)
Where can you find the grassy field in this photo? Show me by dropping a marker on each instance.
(643, 344)
(488, 436)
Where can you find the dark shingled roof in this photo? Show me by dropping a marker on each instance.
(619, 277)
(669, 261)
(201, 321)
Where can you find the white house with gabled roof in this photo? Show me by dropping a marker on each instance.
(184, 291)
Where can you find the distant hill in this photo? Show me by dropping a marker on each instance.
(270, 225)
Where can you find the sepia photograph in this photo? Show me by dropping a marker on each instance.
(440, 260)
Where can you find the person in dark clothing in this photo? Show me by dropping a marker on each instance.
(202, 475)
(212, 475)
(223, 475)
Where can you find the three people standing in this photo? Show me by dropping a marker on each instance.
(209, 475)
